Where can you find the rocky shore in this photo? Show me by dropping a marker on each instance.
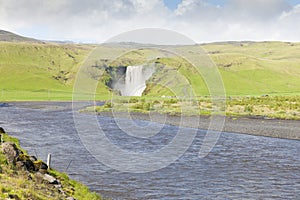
(24, 176)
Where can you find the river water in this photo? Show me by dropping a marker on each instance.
(239, 167)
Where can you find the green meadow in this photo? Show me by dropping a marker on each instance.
(45, 71)
(35, 71)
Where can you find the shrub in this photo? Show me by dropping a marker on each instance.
(248, 109)
(108, 105)
(147, 106)
(133, 100)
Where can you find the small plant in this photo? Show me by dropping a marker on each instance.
(138, 106)
(133, 100)
(248, 109)
(108, 104)
(156, 102)
(147, 106)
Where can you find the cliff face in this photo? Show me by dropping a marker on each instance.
(25, 177)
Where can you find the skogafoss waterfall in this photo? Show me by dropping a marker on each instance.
(134, 81)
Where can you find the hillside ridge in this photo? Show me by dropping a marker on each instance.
(7, 36)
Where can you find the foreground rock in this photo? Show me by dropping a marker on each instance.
(2, 130)
(19, 159)
(11, 152)
(30, 165)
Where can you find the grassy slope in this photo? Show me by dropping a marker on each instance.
(16, 182)
(33, 71)
(38, 71)
(258, 68)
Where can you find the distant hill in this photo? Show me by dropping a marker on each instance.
(12, 37)
(47, 71)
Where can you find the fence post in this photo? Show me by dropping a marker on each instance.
(49, 160)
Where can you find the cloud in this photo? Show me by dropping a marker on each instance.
(98, 20)
(256, 10)
(288, 24)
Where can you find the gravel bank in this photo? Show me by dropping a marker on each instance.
(286, 129)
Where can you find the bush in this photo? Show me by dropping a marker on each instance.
(133, 100)
(156, 102)
(147, 106)
(108, 105)
(248, 109)
(138, 106)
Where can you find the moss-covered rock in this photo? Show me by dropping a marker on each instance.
(25, 177)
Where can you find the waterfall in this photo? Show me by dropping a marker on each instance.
(134, 82)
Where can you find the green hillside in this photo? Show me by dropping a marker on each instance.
(38, 71)
(258, 68)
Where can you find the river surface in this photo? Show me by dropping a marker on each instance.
(239, 167)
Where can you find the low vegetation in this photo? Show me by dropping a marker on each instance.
(280, 107)
(18, 183)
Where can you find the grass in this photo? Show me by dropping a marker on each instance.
(15, 182)
(32, 71)
(258, 68)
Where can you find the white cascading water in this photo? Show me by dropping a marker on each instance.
(135, 80)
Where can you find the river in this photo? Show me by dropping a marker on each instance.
(239, 167)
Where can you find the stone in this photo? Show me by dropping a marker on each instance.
(11, 152)
(40, 166)
(50, 179)
(20, 165)
(2, 130)
(29, 166)
(14, 196)
(39, 177)
(44, 166)
(33, 158)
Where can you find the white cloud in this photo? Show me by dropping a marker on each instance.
(256, 10)
(96, 20)
(288, 24)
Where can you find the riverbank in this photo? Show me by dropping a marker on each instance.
(260, 126)
(285, 129)
(244, 161)
(25, 177)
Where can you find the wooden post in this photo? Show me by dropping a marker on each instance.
(49, 160)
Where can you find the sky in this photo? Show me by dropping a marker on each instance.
(199, 20)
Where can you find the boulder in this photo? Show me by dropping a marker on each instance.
(2, 130)
(40, 166)
(11, 152)
(14, 196)
(50, 179)
(33, 158)
(22, 161)
(29, 166)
